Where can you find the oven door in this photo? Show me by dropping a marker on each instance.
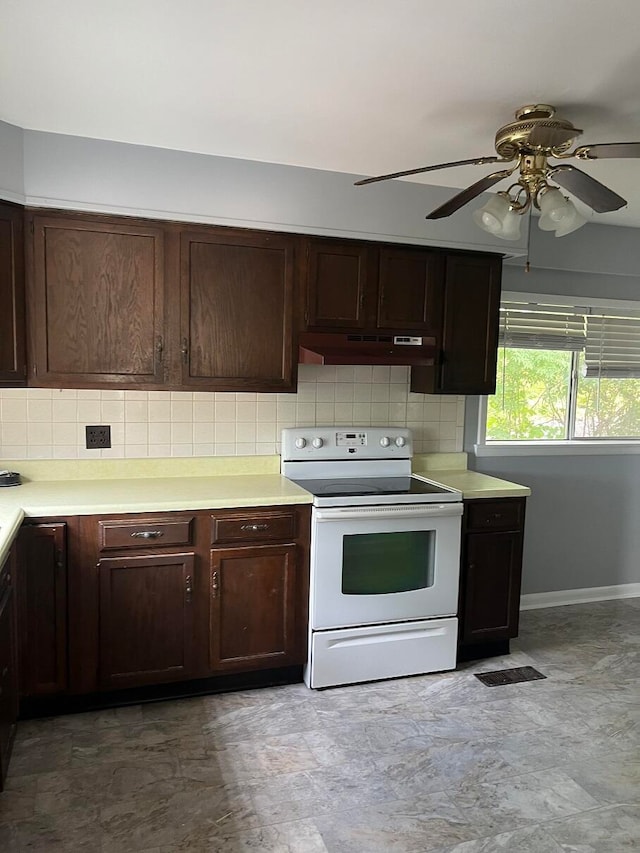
(377, 564)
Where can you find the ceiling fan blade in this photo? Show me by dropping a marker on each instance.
(468, 195)
(607, 150)
(551, 137)
(477, 161)
(587, 189)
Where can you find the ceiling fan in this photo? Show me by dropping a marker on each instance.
(535, 137)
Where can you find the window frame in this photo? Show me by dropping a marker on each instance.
(565, 446)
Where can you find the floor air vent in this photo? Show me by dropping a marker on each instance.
(509, 676)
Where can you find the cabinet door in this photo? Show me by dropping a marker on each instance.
(410, 290)
(253, 608)
(146, 619)
(470, 331)
(96, 303)
(42, 608)
(8, 669)
(13, 366)
(491, 572)
(237, 310)
(339, 283)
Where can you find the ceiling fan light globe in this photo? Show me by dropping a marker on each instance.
(571, 221)
(490, 217)
(545, 223)
(553, 204)
(511, 226)
(487, 221)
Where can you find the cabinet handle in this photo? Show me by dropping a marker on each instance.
(146, 534)
(184, 349)
(214, 585)
(5, 672)
(159, 347)
(188, 587)
(254, 527)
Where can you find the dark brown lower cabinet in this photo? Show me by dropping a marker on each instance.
(491, 571)
(146, 619)
(112, 602)
(8, 665)
(253, 617)
(42, 608)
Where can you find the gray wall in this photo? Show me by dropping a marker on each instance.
(582, 525)
(11, 163)
(89, 174)
(583, 517)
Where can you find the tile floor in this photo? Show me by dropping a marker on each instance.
(432, 763)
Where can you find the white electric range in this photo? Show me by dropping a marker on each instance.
(385, 555)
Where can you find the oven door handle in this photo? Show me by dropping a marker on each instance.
(422, 511)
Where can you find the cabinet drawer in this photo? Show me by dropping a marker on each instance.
(495, 515)
(253, 527)
(151, 533)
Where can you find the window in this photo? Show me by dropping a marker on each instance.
(566, 373)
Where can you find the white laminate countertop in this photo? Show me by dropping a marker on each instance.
(472, 484)
(10, 521)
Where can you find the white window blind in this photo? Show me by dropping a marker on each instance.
(612, 348)
(531, 325)
(609, 337)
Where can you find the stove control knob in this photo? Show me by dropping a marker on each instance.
(401, 441)
(300, 443)
(385, 441)
(317, 443)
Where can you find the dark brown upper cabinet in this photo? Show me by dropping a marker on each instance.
(409, 290)
(469, 341)
(131, 303)
(13, 364)
(237, 310)
(354, 286)
(340, 276)
(96, 302)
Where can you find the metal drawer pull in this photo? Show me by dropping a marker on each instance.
(146, 534)
(189, 587)
(254, 527)
(214, 584)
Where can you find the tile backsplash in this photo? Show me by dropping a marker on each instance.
(40, 423)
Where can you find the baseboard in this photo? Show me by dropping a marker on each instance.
(537, 600)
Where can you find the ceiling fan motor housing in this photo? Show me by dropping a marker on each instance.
(515, 138)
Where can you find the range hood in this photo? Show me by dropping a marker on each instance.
(329, 348)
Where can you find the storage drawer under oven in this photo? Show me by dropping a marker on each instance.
(124, 534)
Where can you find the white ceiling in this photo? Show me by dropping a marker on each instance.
(357, 86)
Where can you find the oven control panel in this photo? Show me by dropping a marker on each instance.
(315, 442)
(351, 439)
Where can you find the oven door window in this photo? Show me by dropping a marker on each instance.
(386, 563)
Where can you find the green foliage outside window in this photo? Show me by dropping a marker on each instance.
(533, 398)
(532, 393)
